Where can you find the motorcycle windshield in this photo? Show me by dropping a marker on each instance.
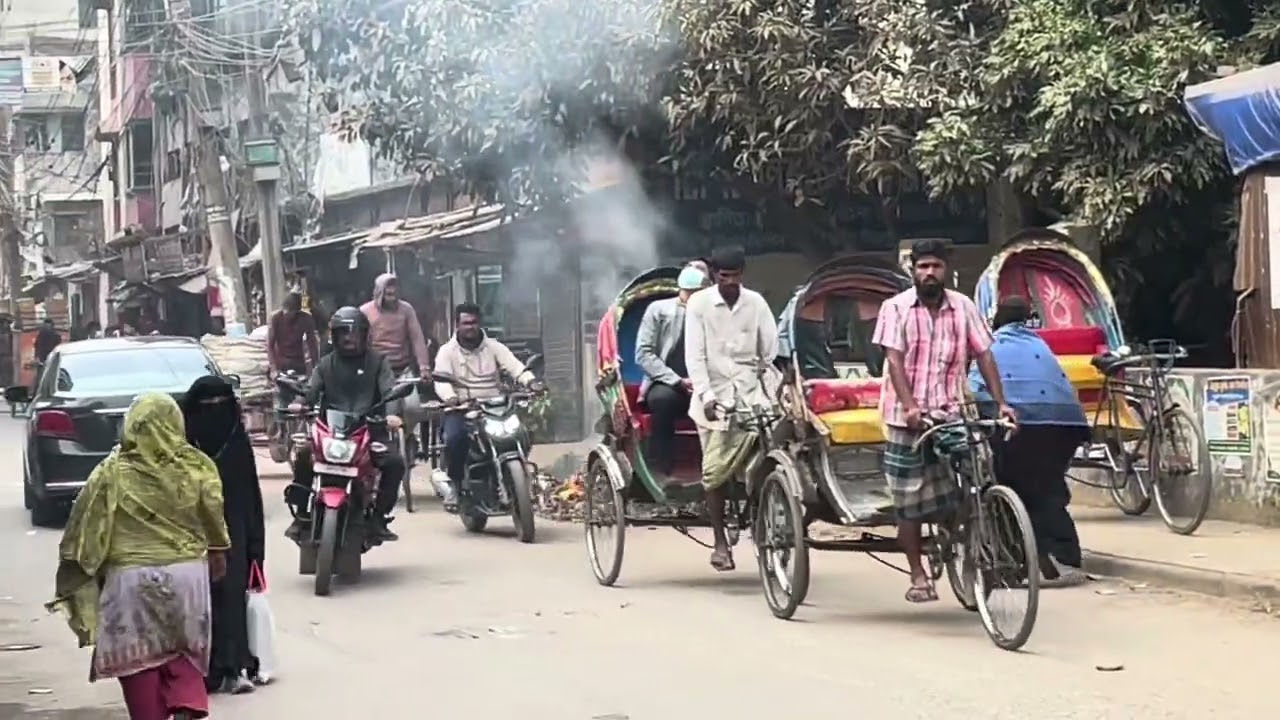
(341, 421)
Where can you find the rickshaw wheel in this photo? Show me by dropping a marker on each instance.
(597, 530)
(1006, 557)
(778, 532)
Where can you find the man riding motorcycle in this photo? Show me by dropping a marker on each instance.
(353, 378)
(474, 360)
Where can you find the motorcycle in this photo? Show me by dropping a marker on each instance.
(283, 440)
(498, 479)
(339, 499)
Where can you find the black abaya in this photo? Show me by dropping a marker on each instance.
(216, 429)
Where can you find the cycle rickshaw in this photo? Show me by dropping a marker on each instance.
(831, 469)
(1137, 427)
(620, 489)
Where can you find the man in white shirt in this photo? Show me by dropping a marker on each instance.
(731, 341)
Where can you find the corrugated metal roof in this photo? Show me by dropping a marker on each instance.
(446, 225)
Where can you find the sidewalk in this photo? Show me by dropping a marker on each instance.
(1222, 559)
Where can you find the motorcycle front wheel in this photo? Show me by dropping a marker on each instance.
(326, 552)
(522, 500)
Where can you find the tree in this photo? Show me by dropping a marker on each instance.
(495, 94)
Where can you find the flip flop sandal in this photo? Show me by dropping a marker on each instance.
(722, 562)
(918, 594)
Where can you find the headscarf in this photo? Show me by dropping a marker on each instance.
(380, 284)
(210, 426)
(155, 500)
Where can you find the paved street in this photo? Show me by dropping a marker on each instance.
(446, 624)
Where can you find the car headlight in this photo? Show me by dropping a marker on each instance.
(338, 451)
(505, 427)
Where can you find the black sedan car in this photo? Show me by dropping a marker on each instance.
(80, 401)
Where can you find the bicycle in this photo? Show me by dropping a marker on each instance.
(1170, 446)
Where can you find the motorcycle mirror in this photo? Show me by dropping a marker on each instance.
(402, 391)
(234, 380)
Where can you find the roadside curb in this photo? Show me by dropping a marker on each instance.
(1183, 577)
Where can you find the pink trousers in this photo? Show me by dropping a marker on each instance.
(159, 693)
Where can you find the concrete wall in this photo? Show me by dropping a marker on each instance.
(1246, 484)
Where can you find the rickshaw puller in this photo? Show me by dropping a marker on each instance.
(929, 335)
(731, 341)
(660, 352)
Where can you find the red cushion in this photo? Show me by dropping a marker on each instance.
(828, 395)
(640, 418)
(1073, 341)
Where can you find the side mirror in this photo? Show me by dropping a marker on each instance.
(18, 394)
(534, 364)
(234, 380)
(402, 391)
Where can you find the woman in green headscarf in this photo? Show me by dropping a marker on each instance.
(144, 537)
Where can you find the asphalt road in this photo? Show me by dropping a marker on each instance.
(454, 625)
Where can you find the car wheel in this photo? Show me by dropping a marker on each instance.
(45, 513)
(29, 498)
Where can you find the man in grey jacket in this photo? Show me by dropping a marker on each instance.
(666, 389)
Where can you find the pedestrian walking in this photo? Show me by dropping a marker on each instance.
(145, 537)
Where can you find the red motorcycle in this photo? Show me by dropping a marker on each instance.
(338, 499)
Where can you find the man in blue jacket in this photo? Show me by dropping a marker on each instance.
(1051, 427)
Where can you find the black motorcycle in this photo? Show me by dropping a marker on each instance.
(499, 479)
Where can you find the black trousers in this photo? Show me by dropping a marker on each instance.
(392, 467)
(666, 405)
(1034, 463)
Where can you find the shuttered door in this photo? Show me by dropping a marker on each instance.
(561, 344)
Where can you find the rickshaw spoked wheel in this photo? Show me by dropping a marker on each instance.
(1006, 564)
(959, 559)
(781, 551)
(604, 519)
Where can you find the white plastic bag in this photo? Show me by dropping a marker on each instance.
(262, 625)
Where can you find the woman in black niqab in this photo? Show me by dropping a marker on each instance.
(212, 415)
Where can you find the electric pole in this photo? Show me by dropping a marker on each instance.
(224, 258)
(262, 152)
(10, 236)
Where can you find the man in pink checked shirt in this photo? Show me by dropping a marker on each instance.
(929, 335)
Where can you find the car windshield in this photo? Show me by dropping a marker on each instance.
(121, 372)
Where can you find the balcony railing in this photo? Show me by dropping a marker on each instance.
(162, 255)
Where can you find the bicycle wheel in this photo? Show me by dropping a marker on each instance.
(1130, 483)
(1007, 566)
(1183, 487)
(961, 567)
(781, 551)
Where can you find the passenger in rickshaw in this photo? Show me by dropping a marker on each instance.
(660, 353)
(1052, 426)
(929, 334)
(731, 342)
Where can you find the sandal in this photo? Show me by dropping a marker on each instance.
(722, 561)
(922, 593)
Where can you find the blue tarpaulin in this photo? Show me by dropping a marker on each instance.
(1241, 111)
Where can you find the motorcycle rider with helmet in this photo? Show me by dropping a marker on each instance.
(353, 378)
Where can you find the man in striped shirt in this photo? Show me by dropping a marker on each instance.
(929, 334)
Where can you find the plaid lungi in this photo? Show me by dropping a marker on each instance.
(921, 485)
(724, 452)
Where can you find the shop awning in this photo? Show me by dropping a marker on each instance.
(449, 225)
(1241, 111)
(70, 272)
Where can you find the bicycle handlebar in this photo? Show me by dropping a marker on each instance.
(997, 424)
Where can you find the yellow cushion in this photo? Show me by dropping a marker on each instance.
(854, 427)
(1080, 371)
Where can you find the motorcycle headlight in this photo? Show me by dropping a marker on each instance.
(504, 427)
(338, 451)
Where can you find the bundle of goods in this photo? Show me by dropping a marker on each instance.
(243, 356)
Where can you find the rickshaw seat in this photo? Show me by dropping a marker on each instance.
(1089, 340)
(640, 411)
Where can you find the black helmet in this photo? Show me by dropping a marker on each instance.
(349, 319)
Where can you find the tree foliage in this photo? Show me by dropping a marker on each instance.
(495, 94)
